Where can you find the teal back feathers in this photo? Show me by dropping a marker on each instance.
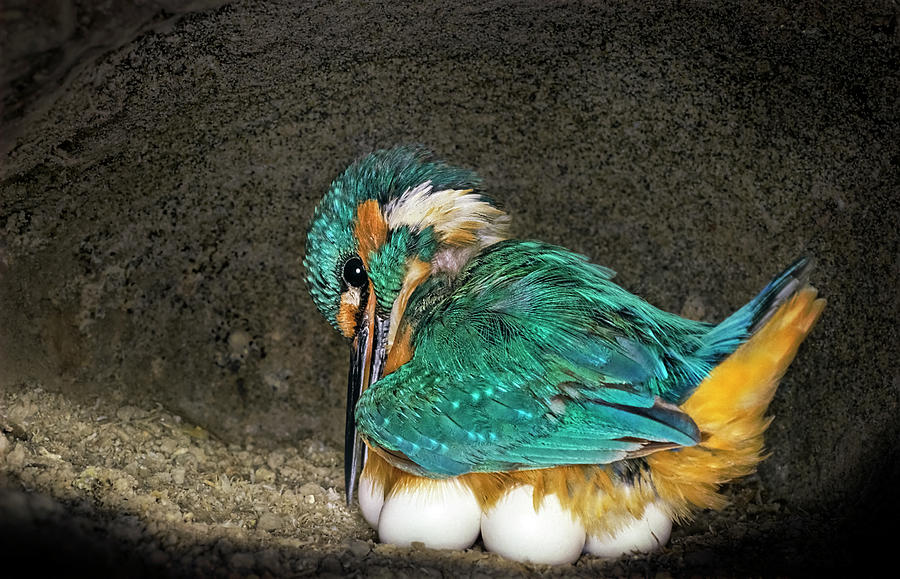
(534, 358)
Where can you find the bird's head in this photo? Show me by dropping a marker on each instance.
(390, 221)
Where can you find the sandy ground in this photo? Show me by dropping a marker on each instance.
(120, 490)
(172, 404)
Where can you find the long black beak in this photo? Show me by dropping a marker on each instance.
(367, 357)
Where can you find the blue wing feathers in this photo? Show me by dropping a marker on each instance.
(533, 358)
(731, 333)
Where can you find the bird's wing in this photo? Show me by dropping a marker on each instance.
(536, 359)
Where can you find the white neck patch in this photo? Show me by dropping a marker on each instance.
(459, 216)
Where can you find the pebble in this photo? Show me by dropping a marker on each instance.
(310, 489)
(16, 458)
(5, 445)
(701, 558)
(359, 548)
(242, 560)
(331, 564)
(126, 413)
(264, 475)
(269, 522)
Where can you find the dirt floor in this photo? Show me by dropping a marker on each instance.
(120, 490)
(171, 404)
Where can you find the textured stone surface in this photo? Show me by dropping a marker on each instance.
(153, 211)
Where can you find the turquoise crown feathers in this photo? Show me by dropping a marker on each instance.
(383, 175)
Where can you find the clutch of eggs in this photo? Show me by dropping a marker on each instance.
(446, 515)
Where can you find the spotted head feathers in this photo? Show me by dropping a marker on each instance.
(395, 216)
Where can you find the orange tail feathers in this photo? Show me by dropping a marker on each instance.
(729, 408)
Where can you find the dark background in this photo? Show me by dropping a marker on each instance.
(161, 161)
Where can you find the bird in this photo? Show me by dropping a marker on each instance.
(508, 389)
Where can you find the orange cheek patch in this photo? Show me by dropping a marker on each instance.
(399, 337)
(371, 229)
(346, 318)
(402, 350)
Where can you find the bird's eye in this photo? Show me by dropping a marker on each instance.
(355, 272)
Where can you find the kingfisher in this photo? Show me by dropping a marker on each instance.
(509, 389)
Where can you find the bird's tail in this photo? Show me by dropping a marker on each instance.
(729, 405)
(727, 336)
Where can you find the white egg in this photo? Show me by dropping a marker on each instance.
(513, 529)
(643, 535)
(371, 499)
(442, 514)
